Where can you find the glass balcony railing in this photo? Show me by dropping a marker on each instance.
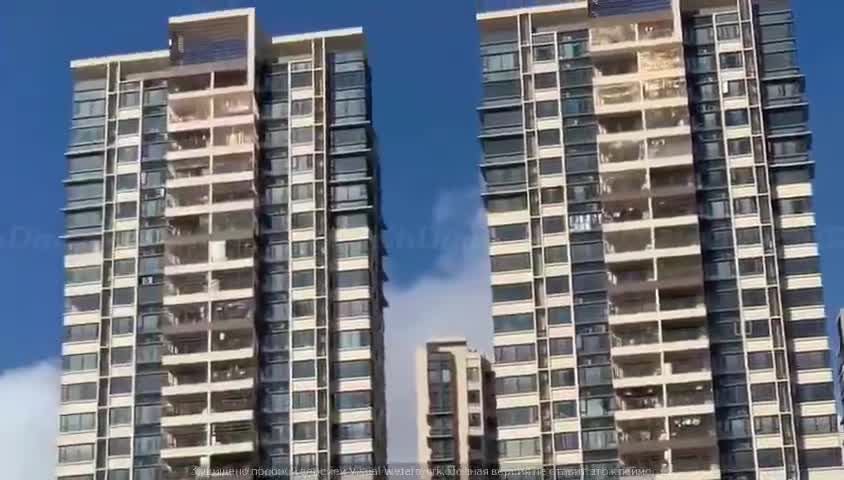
(491, 5)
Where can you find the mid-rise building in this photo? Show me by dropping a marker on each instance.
(223, 298)
(655, 281)
(455, 409)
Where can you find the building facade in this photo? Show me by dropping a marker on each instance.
(455, 409)
(655, 282)
(223, 299)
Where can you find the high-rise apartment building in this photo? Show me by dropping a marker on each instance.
(455, 409)
(223, 299)
(657, 300)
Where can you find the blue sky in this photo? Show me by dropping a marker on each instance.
(426, 86)
(425, 67)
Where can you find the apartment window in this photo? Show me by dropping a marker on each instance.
(301, 107)
(811, 360)
(817, 425)
(124, 239)
(304, 400)
(558, 254)
(302, 163)
(351, 400)
(302, 278)
(512, 293)
(301, 135)
(124, 267)
(551, 225)
(121, 355)
(352, 339)
(806, 328)
(751, 266)
(353, 249)
(81, 333)
(509, 417)
(757, 329)
(802, 297)
(548, 108)
(736, 118)
(352, 431)
(473, 397)
(76, 453)
(793, 206)
(820, 458)
(738, 147)
(120, 385)
(303, 339)
(299, 249)
(513, 323)
(304, 369)
(552, 195)
(351, 278)
(352, 369)
(796, 236)
(565, 409)
(731, 60)
(566, 441)
(145, 445)
(766, 425)
(760, 360)
(118, 447)
(506, 204)
(148, 353)
(304, 431)
(557, 285)
(745, 206)
(814, 392)
(508, 233)
(306, 220)
(560, 346)
(559, 316)
(302, 191)
(510, 262)
(800, 266)
(302, 308)
(123, 296)
(81, 246)
(78, 422)
(562, 378)
(769, 457)
(351, 308)
(525, 447)
(763, 392)
(515, 353)
(79, 392)
(542, 81)
(80, 362)
(548, 138)
(748, 236)
(735, 88)
(742, 176)
(516, 384)
(550, 166)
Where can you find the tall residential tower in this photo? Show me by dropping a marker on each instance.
(657, 297)
(223, 298)
(455, 409)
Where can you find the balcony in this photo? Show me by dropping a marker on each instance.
(620, 123)
(622, 151)
(675, 206)
(233, 136)
(667, 147)
(610, 35)
(236, 279)
(626, 211)
(243, 221)
(639, 335)
(187, 196)
(234, 163)
(641, 431)
(189, 83)
(618, 94)
(187, 284)
(639, 398)
(624, 186)
(232, 401)
(677, 237)
(233, 104)
(189, 140)
(677, 363)
(185, 437)
(656, 30)
(232, 433)
(632, 303)
(232, 340)
(186, 375)
(627, 241)
(233, 310)
(185, 405)
(667, 117)
(231, 371)
(683, 334)
(664, 88)
(697, 427)
(643, 368)
(491, 5)
(670, 300)
(187, 226)
(233, 192)
(662, 58)
(652, 464)
(692, 461)
(188, 168)
(186, 344)
(187, 254)
(184, 318)
(624, 64)
(682, 395)
(188, 110)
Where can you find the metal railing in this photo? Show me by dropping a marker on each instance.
(490, 5)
